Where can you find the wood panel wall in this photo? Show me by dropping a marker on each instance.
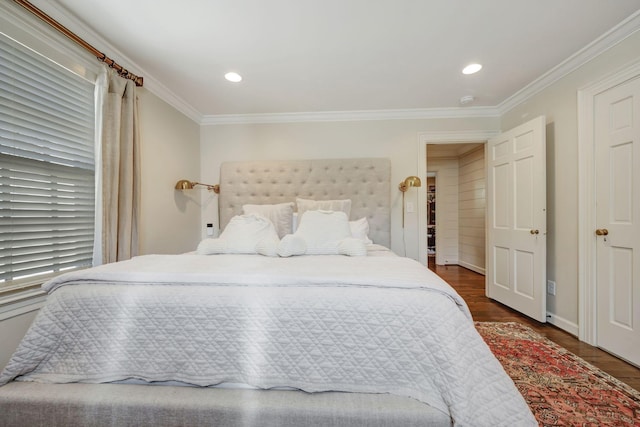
(472, 204)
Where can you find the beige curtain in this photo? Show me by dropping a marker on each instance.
(120, 180)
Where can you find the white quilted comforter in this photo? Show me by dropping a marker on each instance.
(317, 323)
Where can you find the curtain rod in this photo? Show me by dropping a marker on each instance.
(65, 31)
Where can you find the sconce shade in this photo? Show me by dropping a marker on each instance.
(410, 181)
(185, 184)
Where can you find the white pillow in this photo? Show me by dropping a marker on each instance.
(360, 230)
(212, 246)
(322, 233)
(295, 221)
(322, 229)
(291, 245)
(268, 246)
(343, 205)
(281, 215)
(352, 247)
(244, 234)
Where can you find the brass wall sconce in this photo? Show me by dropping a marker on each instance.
(184, 184)
(410, 181)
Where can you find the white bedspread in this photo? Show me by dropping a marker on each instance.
(365, 324)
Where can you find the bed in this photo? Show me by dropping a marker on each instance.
(276, 335)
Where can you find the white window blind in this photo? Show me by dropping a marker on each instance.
(46, 167)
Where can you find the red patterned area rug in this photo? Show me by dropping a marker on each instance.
(560, 388)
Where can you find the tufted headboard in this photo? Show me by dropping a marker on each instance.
(365, 181)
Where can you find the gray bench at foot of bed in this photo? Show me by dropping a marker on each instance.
(35, 404)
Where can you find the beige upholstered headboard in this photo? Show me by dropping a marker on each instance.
(365, 181)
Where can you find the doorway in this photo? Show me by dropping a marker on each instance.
(456, 204)
(433, 138)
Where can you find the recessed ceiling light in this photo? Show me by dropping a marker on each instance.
(471, 68)
(233, 77)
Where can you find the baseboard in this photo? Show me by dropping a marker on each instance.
(479, 270)
(563, 324)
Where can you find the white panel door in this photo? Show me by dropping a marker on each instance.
(617, 155)
(516, 219)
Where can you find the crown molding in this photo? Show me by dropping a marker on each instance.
(445, 137)
(63, 16)
(335, 116)
(162, 92)
(609, 39)
(595, 48)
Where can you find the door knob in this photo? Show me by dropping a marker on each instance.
(602, 232)
(534, 231)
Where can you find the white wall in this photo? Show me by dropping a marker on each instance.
(472, 204)
(558, 103)
(447, 224)
(393, 139)
(170, 150)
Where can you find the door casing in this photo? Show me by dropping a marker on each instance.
(587, 301)
(441, 137)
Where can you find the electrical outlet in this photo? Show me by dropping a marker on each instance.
(551, 287)
(410, 207)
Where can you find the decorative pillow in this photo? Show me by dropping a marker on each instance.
(360, 230)
(322, 229)
(212, 246)
(352, 247)
(343, 205)
(281, 215)
(268, 246)
(322, 233)
(291, 245)
(244, 234)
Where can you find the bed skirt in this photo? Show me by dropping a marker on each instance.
(37, 404)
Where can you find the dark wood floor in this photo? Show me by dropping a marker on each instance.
(470, 286)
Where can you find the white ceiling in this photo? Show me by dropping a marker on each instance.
(339, 55)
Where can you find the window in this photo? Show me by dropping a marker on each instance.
(47, 167)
